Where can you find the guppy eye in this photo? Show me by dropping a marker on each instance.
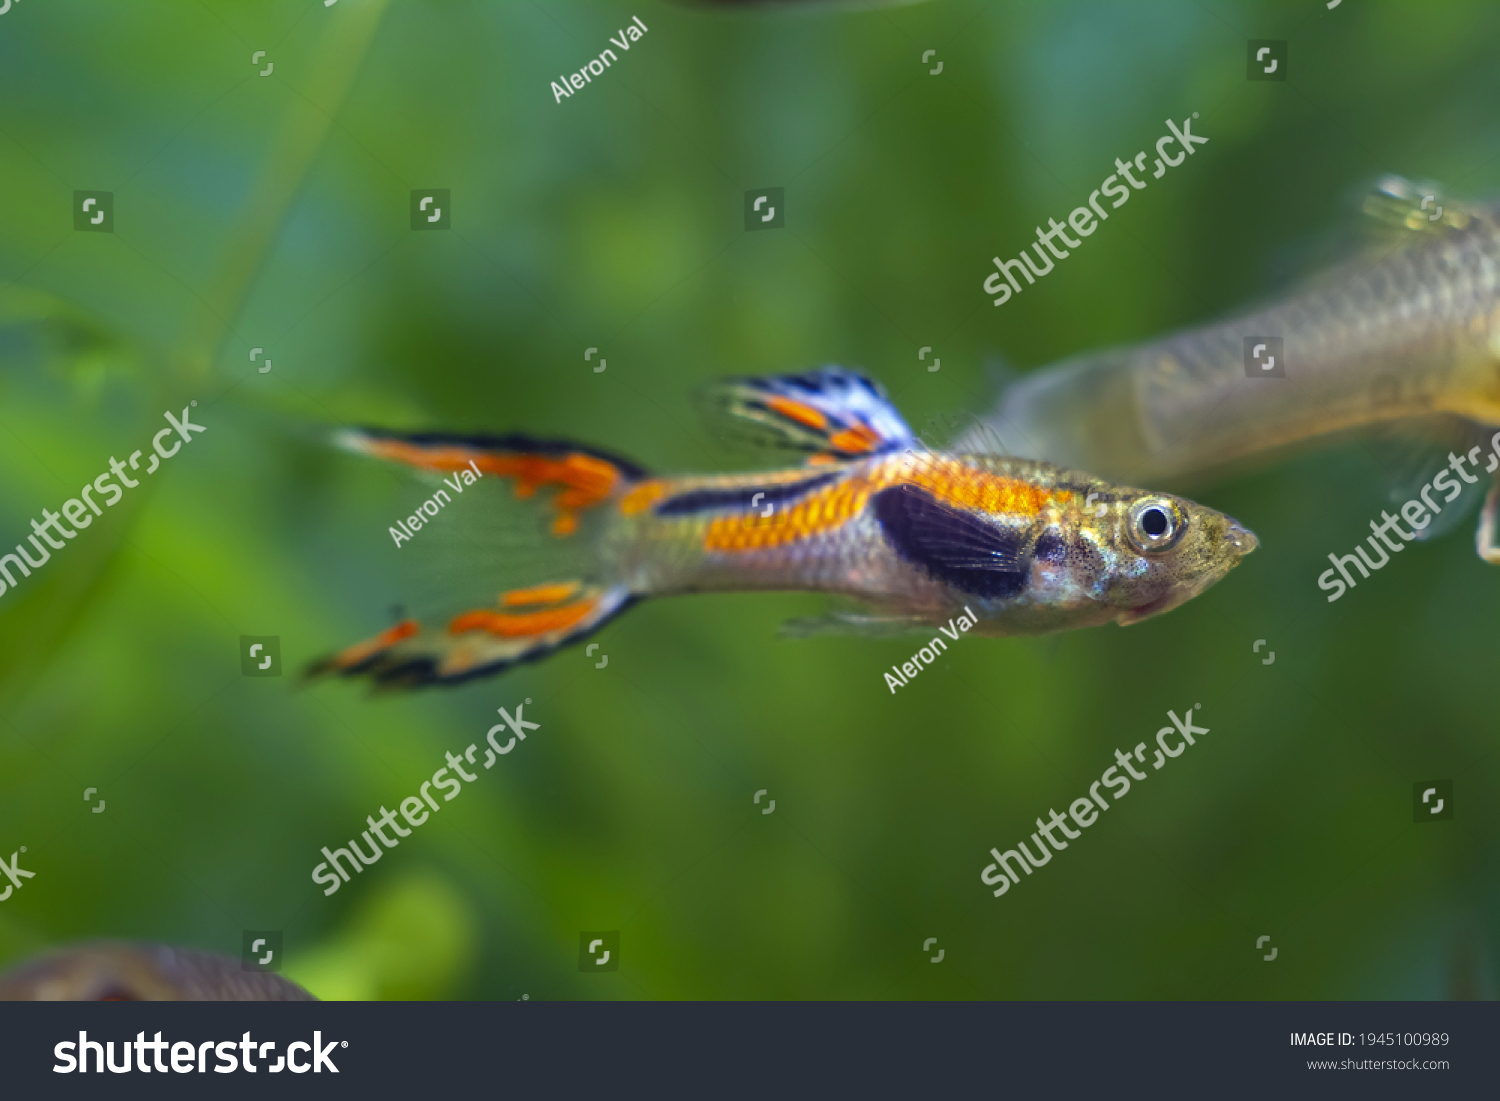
(1156, 524)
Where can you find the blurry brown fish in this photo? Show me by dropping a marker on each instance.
(119, 971)
(1408, 331)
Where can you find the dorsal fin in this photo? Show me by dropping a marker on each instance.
(1418, 206)
(832, 412)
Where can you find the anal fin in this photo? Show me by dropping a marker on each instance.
(853, 623)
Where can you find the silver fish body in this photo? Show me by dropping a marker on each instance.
(1408, 330)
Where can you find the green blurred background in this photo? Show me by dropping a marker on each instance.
(273, 212)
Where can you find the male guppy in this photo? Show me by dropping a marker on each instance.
(914, 535)
(1409, 331)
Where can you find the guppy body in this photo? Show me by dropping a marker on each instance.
(1409, 330)
(913, 535)
(875, 530)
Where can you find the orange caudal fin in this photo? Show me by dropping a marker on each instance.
(485, 529)
(584, 476)
(521, 625)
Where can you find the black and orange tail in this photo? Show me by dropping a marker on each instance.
(493, 628)
(587, 476)
(483, 641)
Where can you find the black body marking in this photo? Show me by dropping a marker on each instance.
(1059, 551)
(818, 382)
(699, 500)
(953, 547)
(1051, 548)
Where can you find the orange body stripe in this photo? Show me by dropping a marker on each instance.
(949, 480)
(964, 487)
(797, 411)
(822, 511)
(540, 594)
(522, 626)
(642, 497)
(386, 639)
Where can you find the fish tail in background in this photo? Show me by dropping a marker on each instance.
(480, 625)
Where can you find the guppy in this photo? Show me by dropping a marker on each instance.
(911, 533)
(1407, 331)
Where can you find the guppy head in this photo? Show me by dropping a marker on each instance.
(1160, 551)
(1038, 549)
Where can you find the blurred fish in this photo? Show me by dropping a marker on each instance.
(1407, 332)
(916, 535)
(117, 971)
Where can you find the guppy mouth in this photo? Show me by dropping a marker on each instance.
(1240, 539)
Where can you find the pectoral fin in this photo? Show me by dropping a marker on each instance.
(953, 546)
